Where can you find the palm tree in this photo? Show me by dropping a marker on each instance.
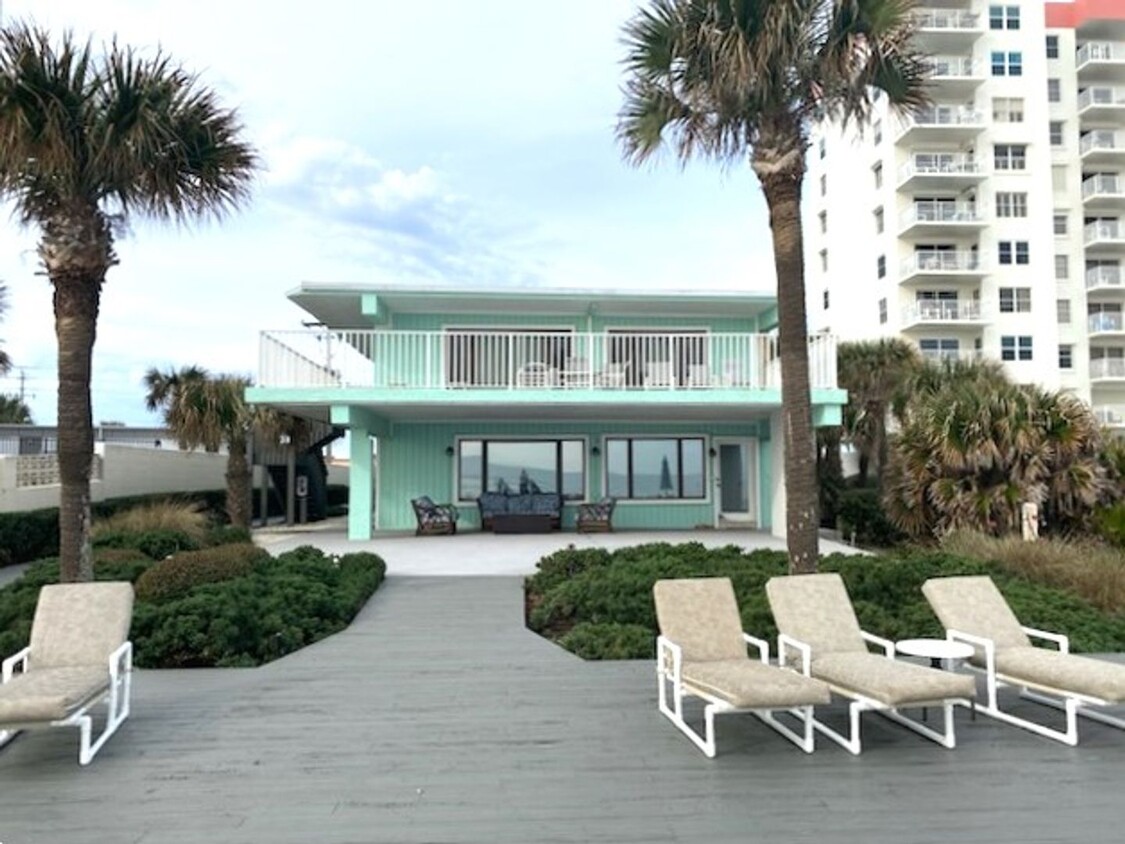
(5, 361)
(86, 143)
(732, 78)
(206, 411)
(13, 411)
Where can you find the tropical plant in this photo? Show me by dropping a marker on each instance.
(5, 361)
(87, 142)
(735, 79)
(14, 411)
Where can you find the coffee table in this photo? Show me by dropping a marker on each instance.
(942, 654)
(522, 523)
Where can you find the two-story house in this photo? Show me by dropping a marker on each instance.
(670, 402)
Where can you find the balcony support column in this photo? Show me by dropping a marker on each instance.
(361, 425)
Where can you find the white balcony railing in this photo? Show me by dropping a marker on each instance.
(935, 211)
(940, 355)
(1101, 95)
(1104, 277)
(1105, 322)
(937, 260)
(1100, 51)
(946, 19)
(1107, 368)
(941, 311)
(1110, 230)
(952, 67)
(514, 360)
(940, 164)
(945, 115)
(1101, 140)
(1112, 415)
(1103, 184)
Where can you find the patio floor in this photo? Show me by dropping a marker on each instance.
(437, 717)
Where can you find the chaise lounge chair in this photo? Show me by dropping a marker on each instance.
(701, 652)
(79, 656)
(973, 611)
(815, 618)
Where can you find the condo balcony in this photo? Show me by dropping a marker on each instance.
(941, 124)
(1106, 325)
(951, 355)
(1107, 370)
(949, 313)
(1102, 103)
(1104, 236)
(1101, 61)
(947, 30)
(1103, 192)
(1105, 280)
(946, 171)
(927, 218)
(954, 76)
(1110, 415)
(1102, 148)
(930, 265)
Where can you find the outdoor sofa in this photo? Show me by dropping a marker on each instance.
(493, 504)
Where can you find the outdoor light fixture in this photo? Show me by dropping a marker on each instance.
(449, 451)
(713, 452)
(595, 451)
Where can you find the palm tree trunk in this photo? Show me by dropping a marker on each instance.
(238, 483)
(76, 300)
(783, 196)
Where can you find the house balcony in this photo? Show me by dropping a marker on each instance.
(1107, 370)
(950, 355)
(936, 265)
(1101, 61)
(1103, 192)
(1104, 236)
(1102, 103)
(935, 219)
(952, 124)
(946, 30)
(1110, 415)
(954, 76)
(1102, 148)
(951, 314)
(553, 367)
(1101, 280)
(1106, 326)
(940, 171)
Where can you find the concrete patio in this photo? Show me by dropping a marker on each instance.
(438, 717)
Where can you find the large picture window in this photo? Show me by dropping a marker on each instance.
(655, 468)
(521, 466)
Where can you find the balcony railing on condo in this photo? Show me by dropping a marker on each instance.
(539, 360)
(951, 355)
(937, 211)
(1101, 140)
(1110, 414)
(1105, 322)
(945, 115)
(939, 260)
(941, 311)
(946, 19)
(1100, 51)
(1101, 95)
(952, 67)
(1104, 277)
(940, 164)
(1103, 230)
(1103, 184)
(1107, 368)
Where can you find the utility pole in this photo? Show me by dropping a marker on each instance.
(23, 382)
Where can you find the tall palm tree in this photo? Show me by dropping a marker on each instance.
(728, 79)
(88, 141)
(206, 411)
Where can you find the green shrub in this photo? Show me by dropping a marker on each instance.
(610, 641)
(227, 535)
(28, 536)
(172, 515)
(182, 572)
(1110, 524)
(860, 513)
(120, 555)
(156, 544)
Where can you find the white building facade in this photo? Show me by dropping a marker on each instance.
(991, 223)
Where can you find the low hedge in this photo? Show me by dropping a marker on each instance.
(600, 610)
(278, 606)
(180, 573)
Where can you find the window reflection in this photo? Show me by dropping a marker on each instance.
(522, 466)
(655, 468)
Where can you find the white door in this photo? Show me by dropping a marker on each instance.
(735, 470)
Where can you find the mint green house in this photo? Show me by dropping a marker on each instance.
(669, 402)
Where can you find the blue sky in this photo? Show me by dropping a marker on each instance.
(443, 142)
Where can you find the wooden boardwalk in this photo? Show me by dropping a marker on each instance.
(438, 718)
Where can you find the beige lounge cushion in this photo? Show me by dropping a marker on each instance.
(890, 681)
(973, 604)
(752, 685)
(80, 623)
(816, 609)
(1066, 672)
(700, 614)
(49, 694)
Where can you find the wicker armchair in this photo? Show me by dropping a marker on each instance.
(434, 519)
(596, 517)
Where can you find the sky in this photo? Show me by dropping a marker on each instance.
(439, 143)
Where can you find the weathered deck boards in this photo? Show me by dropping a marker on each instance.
(438, 718)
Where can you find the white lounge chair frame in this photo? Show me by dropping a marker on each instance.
(860, 703)
(1072, 703)
(669, 662)
(117, 698)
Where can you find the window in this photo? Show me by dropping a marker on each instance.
(940, 349)
(1014, 252)
(1015, 300)
(883, 311)
(823, 217)
(1015, 348)
(879, 220)
(823, 185)
(877, 170)
(1007, 109)
(881, 266)
(1052, 46)
(1055, 128)
(1007, 64)
(826, 298)
(521, 466)
(822, 148)
(655, 468)
(1062, 307)
(824, 260)
(1003, 17)
(1011, 204)
(1062, 267)
(1054, 91)
(1009, 156)
(877, 132)
(1066, 356)
(1060, 224)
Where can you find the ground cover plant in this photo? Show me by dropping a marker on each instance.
(598, 604)
(231, 605)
